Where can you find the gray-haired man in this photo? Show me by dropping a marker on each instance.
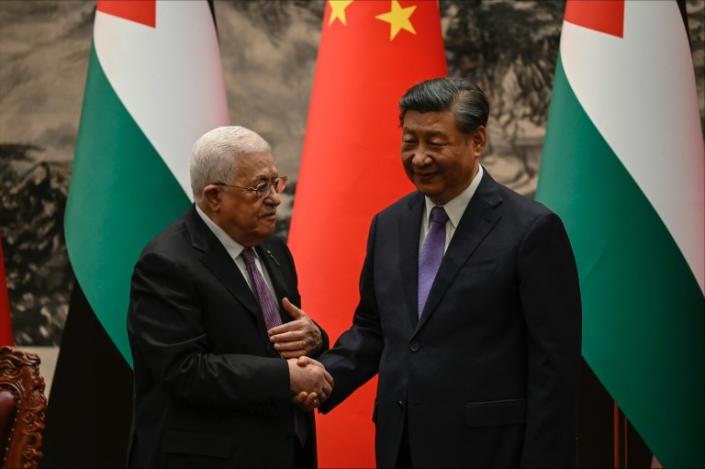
(211, 389)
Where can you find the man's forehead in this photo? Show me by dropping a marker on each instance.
(254, 160)
(253, 157)
(256, 165)
(415, 121)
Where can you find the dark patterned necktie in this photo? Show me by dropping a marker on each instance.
(267, 302)
(431, 254)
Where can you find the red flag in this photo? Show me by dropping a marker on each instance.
(370, 53)
(6, 337)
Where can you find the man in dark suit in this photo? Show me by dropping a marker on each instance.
(210, 388)
(469, 306)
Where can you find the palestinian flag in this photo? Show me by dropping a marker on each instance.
(154, 85)
(623, 166)
(370, 53)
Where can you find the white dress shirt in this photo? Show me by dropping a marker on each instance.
(235, 249)
(454, 209)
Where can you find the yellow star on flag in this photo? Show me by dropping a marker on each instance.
(337, 10)
(398, 19)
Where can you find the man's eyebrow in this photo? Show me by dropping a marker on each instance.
(430, 133)
(265, 177)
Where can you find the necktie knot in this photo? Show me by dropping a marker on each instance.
(248, 255)
(439, 215)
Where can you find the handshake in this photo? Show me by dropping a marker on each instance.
(294, 340)
(309, 381)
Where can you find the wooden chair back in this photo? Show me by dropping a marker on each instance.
(22, 409)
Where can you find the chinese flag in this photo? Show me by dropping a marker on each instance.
(370, 53)
(6, 337)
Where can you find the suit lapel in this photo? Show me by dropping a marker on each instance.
(476, 223)
(219, 262)
(409, 234)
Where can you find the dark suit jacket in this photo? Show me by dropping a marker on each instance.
(210, 390)
(487, 376)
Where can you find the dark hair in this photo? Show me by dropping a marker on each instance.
(467, 100)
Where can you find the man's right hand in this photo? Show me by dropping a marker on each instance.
(308, 377)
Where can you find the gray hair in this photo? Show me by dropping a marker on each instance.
(215, 155)
(467, 101)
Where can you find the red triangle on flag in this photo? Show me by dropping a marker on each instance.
(606, 16)
(139, 11)
(6, 336)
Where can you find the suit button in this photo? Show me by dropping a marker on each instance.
(400, 404)
(415, 346)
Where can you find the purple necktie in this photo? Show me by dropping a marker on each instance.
(431, 254)
(266, 300)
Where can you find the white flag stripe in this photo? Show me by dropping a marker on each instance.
(639, 91)
(174, 101)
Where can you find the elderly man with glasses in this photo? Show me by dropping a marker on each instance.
(214, 327)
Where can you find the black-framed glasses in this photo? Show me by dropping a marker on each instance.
(263, 188)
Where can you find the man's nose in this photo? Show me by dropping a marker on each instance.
(273, 198)
(420, 157)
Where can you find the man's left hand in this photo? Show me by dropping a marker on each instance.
(298, 337)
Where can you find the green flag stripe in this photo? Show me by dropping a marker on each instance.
(643, 321)
(121, 195)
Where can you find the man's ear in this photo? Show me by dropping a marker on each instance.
(211, 197)
(479, 140)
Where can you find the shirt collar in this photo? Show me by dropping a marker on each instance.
(233, 247)
(456, 207)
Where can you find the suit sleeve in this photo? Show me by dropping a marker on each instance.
(354, 358)
(550, 295)
(165, 326)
